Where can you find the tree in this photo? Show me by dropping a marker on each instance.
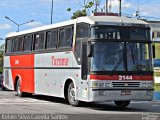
(87, 5)
(1, 61)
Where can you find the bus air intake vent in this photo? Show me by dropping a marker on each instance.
(126, 84)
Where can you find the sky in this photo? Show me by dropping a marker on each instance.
(22, 11)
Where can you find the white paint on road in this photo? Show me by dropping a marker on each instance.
(20, 100)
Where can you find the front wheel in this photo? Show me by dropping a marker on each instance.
(71, 95)
(122, 104)
(18, 88)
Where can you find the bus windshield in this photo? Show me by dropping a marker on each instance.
(120, 33)
(120, 56)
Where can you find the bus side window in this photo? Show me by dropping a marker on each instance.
(82, 31)
(68, 36)
(54, 38)
(51, 37)
(48, 38)
(20, 44)
(36, 42)
(8, 46)
(15, 44)
(27, 43)
(39, 41)
(42, 41)
(62, 38)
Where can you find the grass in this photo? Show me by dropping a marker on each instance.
(157, 87)
(156, 73)
(157, 49)
(157, 56)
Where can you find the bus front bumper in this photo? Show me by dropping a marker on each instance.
(120, 95)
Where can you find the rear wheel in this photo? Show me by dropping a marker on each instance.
(71, 95)
(3, 88)
(122, 104)
(18, 88)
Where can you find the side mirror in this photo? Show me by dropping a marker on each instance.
(154, 51)
(90, 50)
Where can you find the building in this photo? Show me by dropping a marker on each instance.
(155, 27)
(2, 47)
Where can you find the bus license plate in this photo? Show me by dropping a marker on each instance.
(125, 92)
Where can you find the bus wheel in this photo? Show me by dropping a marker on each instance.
(71, 95)
(18, 88)
(122, 104)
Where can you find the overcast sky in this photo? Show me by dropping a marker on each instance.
(39, 10)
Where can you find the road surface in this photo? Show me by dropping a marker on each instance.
(56, 108)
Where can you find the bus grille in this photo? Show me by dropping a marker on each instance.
(126, 84)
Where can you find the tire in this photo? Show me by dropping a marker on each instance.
(18, 88)
(71, 95)
(3, 88)
(122, 104)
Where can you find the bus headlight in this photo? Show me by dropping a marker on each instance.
(101, 85)
(147, 85)
(150, 85)
(144, 85)
(108, 85)
(95, 84)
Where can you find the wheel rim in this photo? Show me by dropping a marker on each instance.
(18, 88)
(72, 95)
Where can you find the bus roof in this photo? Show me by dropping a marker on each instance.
(101, 20)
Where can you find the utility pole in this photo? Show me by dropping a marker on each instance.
(138, 12)
(97, 4)
(106, 6)
(52, 13)
(17, 23)
(120, 7)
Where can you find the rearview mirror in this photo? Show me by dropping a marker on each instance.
(90, 50)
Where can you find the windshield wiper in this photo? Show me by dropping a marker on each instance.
(117, 65)
(133, 59)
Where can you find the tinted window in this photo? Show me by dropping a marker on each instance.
(62, 38)
(125, 33)
(20, 44)
(77, 51)
(48, 38)
(66, 36)
(36, 42)
(84, 61)
(54, 37)
(51, 39)
(15, 44)
(8, 46)
(83, 31)
(27, 43)
(42, 41)
(39, 41)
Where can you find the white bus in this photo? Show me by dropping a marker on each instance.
(91, 59)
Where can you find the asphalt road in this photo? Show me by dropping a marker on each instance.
(57, 108)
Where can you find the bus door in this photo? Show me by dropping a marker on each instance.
(84, 72)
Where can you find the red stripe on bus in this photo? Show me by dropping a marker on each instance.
(117, 77)
(26, 75)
